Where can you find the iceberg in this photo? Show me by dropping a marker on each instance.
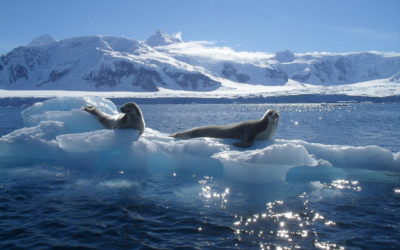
(58, 132)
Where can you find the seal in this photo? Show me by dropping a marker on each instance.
(131, 117)
(246, 131)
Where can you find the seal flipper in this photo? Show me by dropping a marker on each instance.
(243, 144)
(100, 115)
(247, 142)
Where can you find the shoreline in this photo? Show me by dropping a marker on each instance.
(302, 98)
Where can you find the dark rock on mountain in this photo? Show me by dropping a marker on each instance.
(230, 72)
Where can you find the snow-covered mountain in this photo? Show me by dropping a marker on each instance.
(166, 62)
(99, 63)
(42, 40)
(161, 39)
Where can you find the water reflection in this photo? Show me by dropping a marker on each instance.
(211, 193)
(291, 223)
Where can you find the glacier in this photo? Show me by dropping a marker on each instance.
(58, 132)
(167, 64)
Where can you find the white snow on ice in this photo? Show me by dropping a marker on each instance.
(58, 132)
(375, 88)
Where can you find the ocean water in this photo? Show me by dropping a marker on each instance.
(65, 205)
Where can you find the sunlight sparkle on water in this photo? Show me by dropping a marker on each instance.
(330, 223)
(285, 225)
(327, 245)
(345, 184)
(209, 193)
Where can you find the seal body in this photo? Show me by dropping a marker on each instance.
(131, 117)
(246, 131)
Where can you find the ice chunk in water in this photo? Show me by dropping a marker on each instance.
(58, 131)
(264, 165)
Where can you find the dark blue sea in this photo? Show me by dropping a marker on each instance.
(45, 205)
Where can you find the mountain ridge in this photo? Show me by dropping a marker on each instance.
(165, 61)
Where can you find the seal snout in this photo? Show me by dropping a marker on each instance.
(272, 115)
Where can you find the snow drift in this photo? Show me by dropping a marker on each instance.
(58, 132)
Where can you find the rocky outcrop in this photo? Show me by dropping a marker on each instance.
(276, 76)
(17, 72)
(230, 72)
(144, 79)
(54, 76)
(29, 57)
(17, 64)
(192, 81)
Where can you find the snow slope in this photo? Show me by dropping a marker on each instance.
(98, 63)
(167, 64)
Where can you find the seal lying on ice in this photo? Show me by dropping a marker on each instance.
(131, 117)
(246, 131)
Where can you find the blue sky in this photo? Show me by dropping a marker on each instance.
(251, 25)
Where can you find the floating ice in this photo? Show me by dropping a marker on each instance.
(264, 165)
(68, 111)
(96, 141)
(58, 132)
(29, 144)
(368, 157)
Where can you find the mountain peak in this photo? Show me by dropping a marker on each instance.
(42, 40)
(161, 38)
(284, 56)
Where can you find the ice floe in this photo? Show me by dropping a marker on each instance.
(57, 131)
